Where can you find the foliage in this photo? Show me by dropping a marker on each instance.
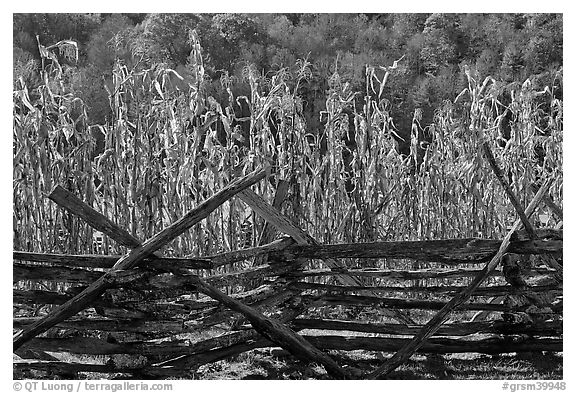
(52, 28)
(164, 37)
(439, 46)
(511, 47)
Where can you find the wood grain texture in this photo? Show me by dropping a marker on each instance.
(549, 328)
(448, 251)
(108, 261)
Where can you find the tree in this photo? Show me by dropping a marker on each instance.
(439, 42)
(231, 34)
(51, 28)
(109, 43)
(545, 44)
(405, 26)
(164, 37)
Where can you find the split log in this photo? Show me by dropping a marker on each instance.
(258, 272)
(112, 325)
(66, 368)
(241, 255)
(432, 326)
(54, 273)
(375, 301)
(395, 274)
(90, 261)
(136, 255)
(449, 251)
(492, 345)
(549, 328)
(46, 297)
(495, 290)
(537, 247)
(249, 297)
(225, 340)
(125, 314)
(541, 233)
(273, 216)
(391, 274)
(146, 279)
(107, 261)
(25, 353)
(160, 309)
(96, 346)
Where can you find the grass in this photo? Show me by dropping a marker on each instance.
(274, 364)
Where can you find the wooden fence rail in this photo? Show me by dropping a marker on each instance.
(449, 251)
(108, 261)
(144, 294)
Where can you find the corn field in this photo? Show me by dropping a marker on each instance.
(170, 144)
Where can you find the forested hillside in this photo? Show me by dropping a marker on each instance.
(435, 50)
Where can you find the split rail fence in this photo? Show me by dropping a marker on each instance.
(140, 310)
